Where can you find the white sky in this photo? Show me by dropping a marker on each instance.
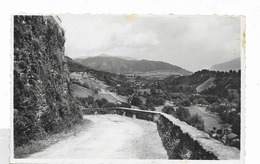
(192, 42)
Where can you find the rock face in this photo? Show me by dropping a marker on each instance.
(43, 100)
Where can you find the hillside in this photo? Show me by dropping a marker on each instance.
(187, 83)
(83, 92)
(119, 65)
(43, 101)
(109, 78)
(206, 85)
(227, 66)
(205, 81)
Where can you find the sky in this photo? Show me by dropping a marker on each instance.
(191, 42)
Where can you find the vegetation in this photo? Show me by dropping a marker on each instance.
(183, 114)
(136, 101)
(43, 100)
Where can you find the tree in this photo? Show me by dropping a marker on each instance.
(136, 101)
(109, 105)
(185, 102)
(95, 105)
(101, 102)
(197, 122)
(182, 113)
(169, 110)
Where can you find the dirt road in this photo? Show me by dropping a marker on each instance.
(110, 137)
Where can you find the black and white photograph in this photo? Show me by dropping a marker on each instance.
(128, 87)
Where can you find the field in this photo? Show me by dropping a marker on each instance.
(86, 78)
(210, 120)
(207, 84)
(80, 91)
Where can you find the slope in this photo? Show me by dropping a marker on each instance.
(206, 85)
(119, 65)
(227, 66)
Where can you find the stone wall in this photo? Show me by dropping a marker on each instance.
(183, 141)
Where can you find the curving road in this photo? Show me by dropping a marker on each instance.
(110, 137)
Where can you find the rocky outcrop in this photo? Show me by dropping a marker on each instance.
(43, 100)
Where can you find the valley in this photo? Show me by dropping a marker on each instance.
(118, 107)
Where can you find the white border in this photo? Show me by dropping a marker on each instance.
(242, 27)
(249, 8)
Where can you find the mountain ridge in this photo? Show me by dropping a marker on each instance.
(119, 65)
(234, 64)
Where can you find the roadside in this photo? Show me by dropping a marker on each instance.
(39, 145)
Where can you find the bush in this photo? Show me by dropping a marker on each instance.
(102, 102)
(182, 113)
(197, 122)
(185, 102)
(136, 101)
(125, 105)
(169, 110)
(109, 105)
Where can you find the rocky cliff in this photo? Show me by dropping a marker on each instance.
(43, 101)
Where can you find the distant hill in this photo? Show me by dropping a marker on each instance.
(227, 66)
(123, 66)
(204, 81)
(122, 57)
(108, 77)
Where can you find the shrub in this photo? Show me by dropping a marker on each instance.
(102, 102)
(169, 110)
(109, 105)
(136, 101)
(185, 102)
(182, 113)
(197, 122)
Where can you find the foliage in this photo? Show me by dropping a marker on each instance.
(169, 110)
(197, 122)
(185, 102)
(109, 105)
(136, 101)
(102, 102)
(43, 99)
(153, 100)
(183, 114)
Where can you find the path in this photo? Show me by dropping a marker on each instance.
(110, 137)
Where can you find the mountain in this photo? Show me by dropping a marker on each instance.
(105, 55)
(108, 77)
(123, 66)
(227, 66)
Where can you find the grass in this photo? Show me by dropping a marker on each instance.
(38, 145)
(80, 91)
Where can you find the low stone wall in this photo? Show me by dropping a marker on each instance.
(180, 140)
(183, 141)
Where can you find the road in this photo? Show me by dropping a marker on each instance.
(110, 137)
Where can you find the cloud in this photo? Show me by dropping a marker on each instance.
(192, 42)
(90, 34)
